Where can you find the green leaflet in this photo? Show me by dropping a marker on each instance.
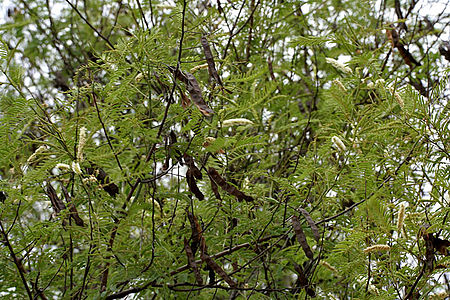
(309, 41)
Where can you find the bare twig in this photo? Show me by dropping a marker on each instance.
(90, 25)
(16, 261)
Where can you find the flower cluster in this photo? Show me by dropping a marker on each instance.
(338, 143)
(233, 122)
(340, 85)
(375, 248)
(36, 153)
(81, 143)
(401, 218)
(339, 66)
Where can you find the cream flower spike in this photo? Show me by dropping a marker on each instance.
(338, 65)
(36, 153)
(338, 143)
(81, 143)
(377, 248)
(233, 122)
(76, 168)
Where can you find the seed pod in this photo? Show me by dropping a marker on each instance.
(210, 60)
(312, 224)
(301, 237)
(192, 263)
(228, 187)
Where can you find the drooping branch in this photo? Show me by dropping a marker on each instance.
(16, 260)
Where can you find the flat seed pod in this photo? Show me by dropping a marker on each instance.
(73, 210)
(2, 196)
(228, 187)
(441, 245)
(303, 281)
(57, 204)
(191, 262)
(191, 164)
(190, 178)
(196, 235)
(312, 224)
(102, 177)
(215, 188)
(210, 60)
(194, 91)
(216, 268)
(301, 237)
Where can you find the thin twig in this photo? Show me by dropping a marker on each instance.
(142, 14)
(16, 261)
(90, 25)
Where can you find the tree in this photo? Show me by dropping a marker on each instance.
(258, 149)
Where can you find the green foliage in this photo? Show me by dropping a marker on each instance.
(110, 105)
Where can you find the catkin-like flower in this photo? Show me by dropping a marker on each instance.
(380, 82)
(371, 85)
(328, 266)
(398, 98)
(400, 218)
(233, 122)
(81, 143)
(340, 85)
(163, 6)
(196, 68)
(377, 248)
(338, 65)
(62, 166)
(36, 153)
(338, 143)
(139, 77)
(208, 141)
(76, 168)
(372, 289)
(89, 179)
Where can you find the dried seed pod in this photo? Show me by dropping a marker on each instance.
(73, 210)
(57, 204)
(196, 235)
(192, 263)
(228, 187)
(210, 60)
(103, 178)
(191, 164)
(190, 178)
(312, 224)
(216, 268)
(194, 91)
(301, 237)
